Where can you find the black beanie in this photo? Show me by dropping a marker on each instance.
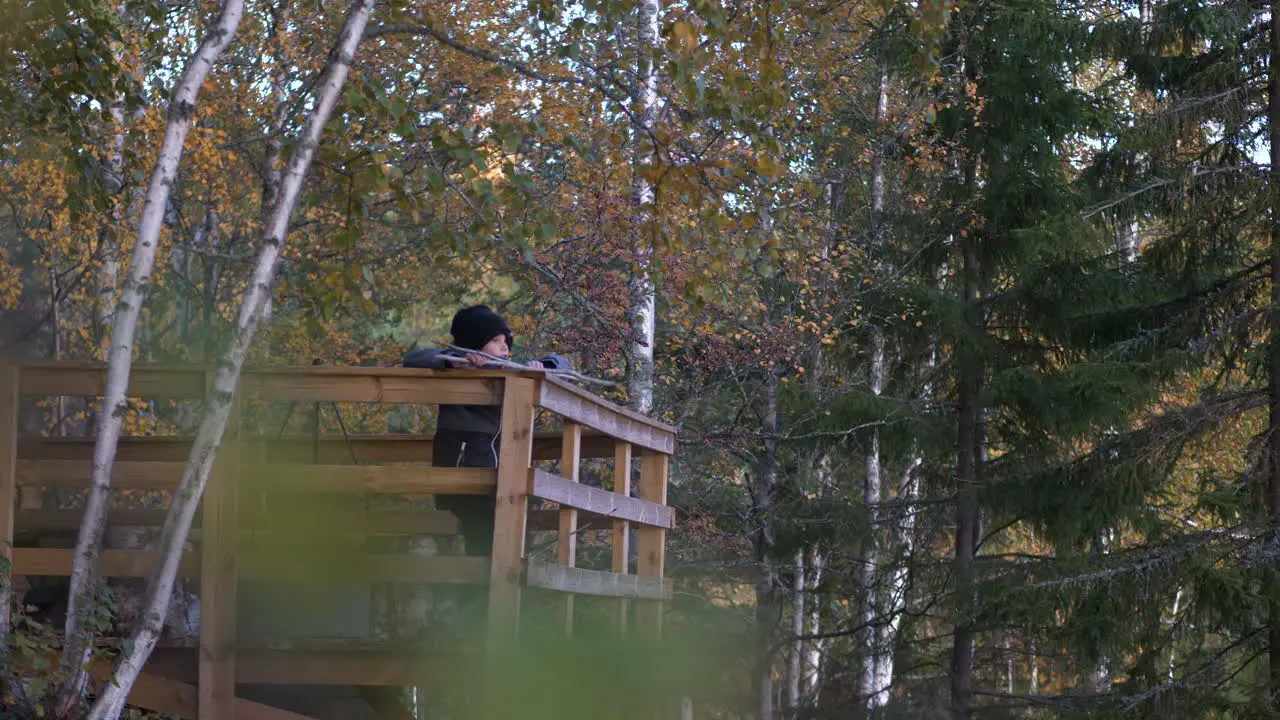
(473, 327)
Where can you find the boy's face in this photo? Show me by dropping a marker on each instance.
(497, 347)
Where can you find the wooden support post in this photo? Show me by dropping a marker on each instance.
(514, 459)
(621, 536)
(651, 541)
(219, 577)
(567, 547)
(8, 494)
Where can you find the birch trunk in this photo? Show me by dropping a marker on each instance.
(869, 682)
(186, 500)
(642, 291)
(795, 667)
(120, 355)
(813, 626)
(766, 590)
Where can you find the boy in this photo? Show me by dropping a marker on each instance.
(468, 435)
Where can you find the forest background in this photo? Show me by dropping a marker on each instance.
(964, 311)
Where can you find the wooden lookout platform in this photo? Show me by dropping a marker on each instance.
(551, 431)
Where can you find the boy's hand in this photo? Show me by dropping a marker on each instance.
(472, 360)
(534, 363)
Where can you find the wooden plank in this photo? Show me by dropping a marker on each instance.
(377, 522)
(281, 562)
(550, 486)
(582, 407)
(371, 567)
(326, 450)
(567, 547)
(651, 541)
(8, 490)
(125, 475)
(219, 574)
(113, 563)
(387, 667)
(397, 479)
(339, 384)
(372, 385)
(620, 537)
(179, 699)
(595, 582)
(89, 379)
(392, 479)
(549, 521)
(515, 455)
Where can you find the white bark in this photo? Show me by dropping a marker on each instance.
(641, 313)
(186, 500)
(869, 683)
(120, 354)
(1173, 645)
(795, 661)
(813, 626)
(895, 589)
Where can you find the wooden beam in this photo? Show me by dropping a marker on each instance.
(219, 574)
(357, 566)
(549, 521)
(515, 456)
(372, 385)
(391, 479)
(377, 522)
(395, 479)
(620, 538)
(582, 407)
(651, 541)
(326, 450)
(181, 700)
(334, 666)
(113, 563)
(8, 494)
(595, 582)
(283, 563)
(304, 383)
(89, 379)
(125, 475)
(550, 486)
(567, 546)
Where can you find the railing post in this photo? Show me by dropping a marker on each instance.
(8, 494)
(514, 459)
(567, 548)
(651, 541)
(621, 535)
(219, 538)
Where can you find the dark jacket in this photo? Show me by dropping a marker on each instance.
(485, 419)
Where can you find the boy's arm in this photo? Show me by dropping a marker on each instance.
(425, 358)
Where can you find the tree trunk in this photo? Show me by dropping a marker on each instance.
(795, 666)
(1273, 476)
(1274, 322)
(767, 606)
(870, 684)
(186, 500)
(967, 473)
(642, 291)
(124, 323)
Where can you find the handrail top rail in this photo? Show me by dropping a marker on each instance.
(193, 371)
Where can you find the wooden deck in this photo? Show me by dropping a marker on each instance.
(198, 681)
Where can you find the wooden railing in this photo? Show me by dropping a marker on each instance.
(366, 464)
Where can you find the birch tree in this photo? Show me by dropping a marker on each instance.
(195, 475)
(642, 289)
(84, 578)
